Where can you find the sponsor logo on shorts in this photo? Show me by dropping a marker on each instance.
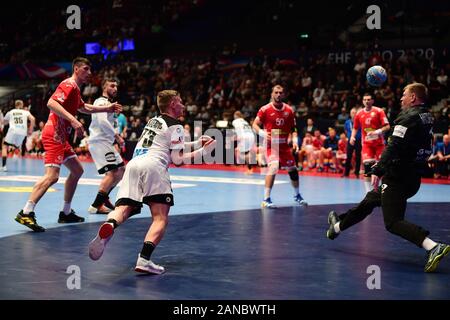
(168, 199)
(110, 157)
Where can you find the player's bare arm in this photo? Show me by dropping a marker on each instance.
(89, 108)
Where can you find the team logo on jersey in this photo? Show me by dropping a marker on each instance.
(279, 121)
(178, 130)
(373, 114)
(286, 114)
(61, 97)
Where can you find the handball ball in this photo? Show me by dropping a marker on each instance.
(376, 76)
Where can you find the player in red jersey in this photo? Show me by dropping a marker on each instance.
(373, 123)
(279, 122)
(64, 104)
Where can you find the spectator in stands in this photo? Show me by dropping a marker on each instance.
(329, 150)
(356, 147)
(442, 160)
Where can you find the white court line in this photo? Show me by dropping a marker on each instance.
(82, 181)
(96, 182)
(222, 180)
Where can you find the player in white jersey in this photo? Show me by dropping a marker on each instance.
(245, 140)
(17, 119)
(146, 179)
(103, 131)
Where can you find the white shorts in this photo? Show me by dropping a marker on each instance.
(14, 139)
(145, 180)
(105, 156)
(245, 143)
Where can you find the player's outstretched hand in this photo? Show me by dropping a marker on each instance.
(375, 182)
(209, 146)
(115, 107)
(204, 139)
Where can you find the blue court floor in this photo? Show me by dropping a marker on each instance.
(219, 243)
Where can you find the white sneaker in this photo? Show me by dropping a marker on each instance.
(97, 246)
(147, 266)
(100, 210)
(4, 169)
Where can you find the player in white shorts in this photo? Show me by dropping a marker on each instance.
(245, 141)
(17, 119)
(102, 133)
(146, 179)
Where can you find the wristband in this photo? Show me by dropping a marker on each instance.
(262, 133)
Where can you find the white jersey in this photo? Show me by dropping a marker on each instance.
(18, 121)
(242, 127)
(104, 125)
(244, 133)
(161, 135)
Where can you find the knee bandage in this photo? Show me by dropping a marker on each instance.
(293, 174)
(368, 168)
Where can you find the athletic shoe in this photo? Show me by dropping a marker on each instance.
(4, 169)
(97, 246)
(435, 255)
(267, 203)
(69, 218)
(100, 210)
(298, 198)
(332, 220)
(29, 220)
(147, 266)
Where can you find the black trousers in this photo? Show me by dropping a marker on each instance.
(392, 198)
(348, 162)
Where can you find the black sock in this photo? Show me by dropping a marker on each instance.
(249, 166)
(100, 199)
(114, 222)
(4, 161)
(147, 249)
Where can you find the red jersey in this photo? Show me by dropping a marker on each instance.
(279, 122)
(69, 96)
(370, 121)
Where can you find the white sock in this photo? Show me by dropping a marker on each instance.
(29, 207)
(337, 228)
(428, 244)
(368, 185)
(66, 208)
(267, 193)
(296, 191)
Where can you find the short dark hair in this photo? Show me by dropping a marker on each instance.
(80, 60)
(105, 80)
(368, 94)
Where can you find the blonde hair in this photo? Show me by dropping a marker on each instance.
(419, 89)
(164, 98)
(18, 103)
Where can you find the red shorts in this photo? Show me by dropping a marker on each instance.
(372, 152)
(56, 152)
(281, 154)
